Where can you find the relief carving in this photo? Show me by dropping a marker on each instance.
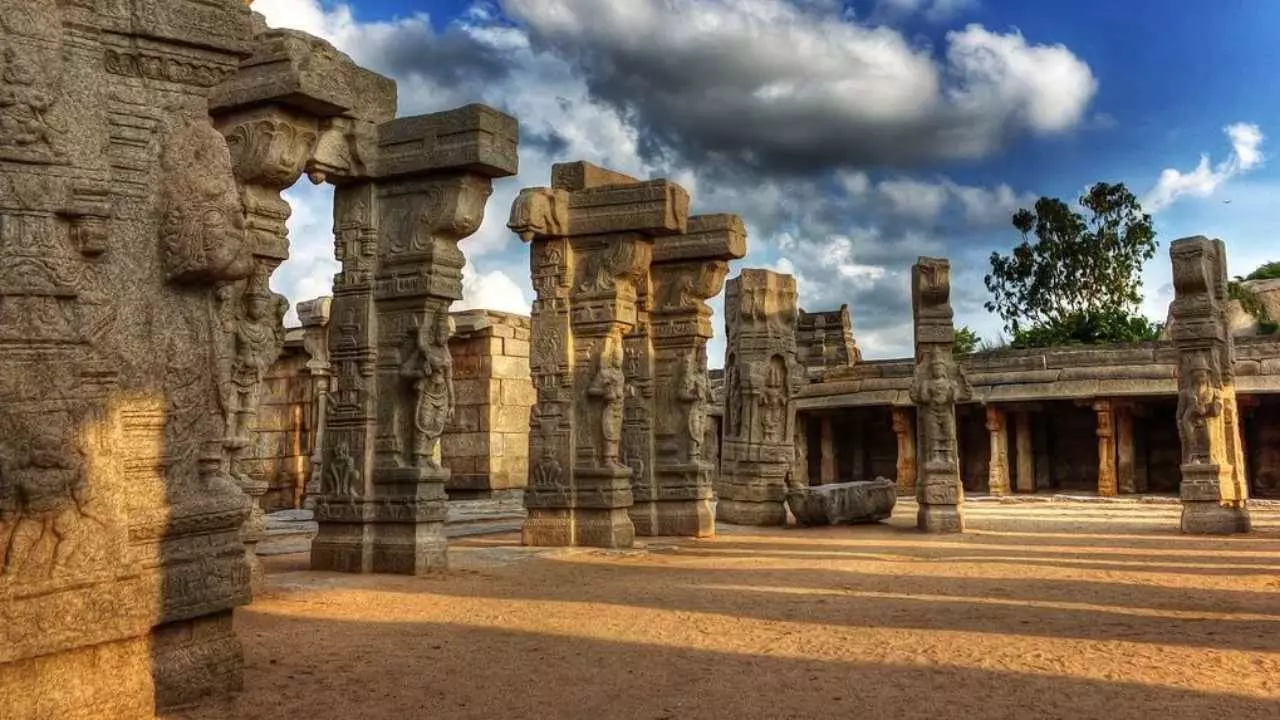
(540, 212)
(429, 366)
(773, 401)
(202, 223)
(1200, 405)
(341, 477)
(26, 131)
(695, 392)
(253, 331)
(608, 387)
(936, 389)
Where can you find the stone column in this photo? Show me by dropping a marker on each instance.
(827, 442)
(592, 244)
(1126, 474)
(762, 373)
(904, 429)
(687, 271)
(938, 384)
(1026, 476)
(998, 468)
(314, 316)
(1214, 491)
(1107, 483)
(800, 465)
(399, 215)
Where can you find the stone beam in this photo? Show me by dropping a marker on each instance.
(582, 175)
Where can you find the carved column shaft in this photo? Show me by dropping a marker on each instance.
(1126, 467)
(1214, 491)
(998, 468)
(905, 430)
(938, 384)
(1107, 482)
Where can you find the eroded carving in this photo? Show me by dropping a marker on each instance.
(341, 476)
(608, 388)
(27, 100)
(253, 327)
(430, 369)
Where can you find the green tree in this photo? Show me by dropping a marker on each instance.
(966, 341)
(1075, 276)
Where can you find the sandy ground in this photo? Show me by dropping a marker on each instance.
(1045, 611)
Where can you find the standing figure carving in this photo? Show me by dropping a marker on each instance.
(937, 390)
(695, 390)
(341, 476)
(774, 401)
(1199, 407)
(430, 367)
(256, 336)
(609, 387)
(50, 498)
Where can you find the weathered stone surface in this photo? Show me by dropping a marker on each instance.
(938, 385)
(824, 340)
(1214, 489)
(762, 374)
(848, 503)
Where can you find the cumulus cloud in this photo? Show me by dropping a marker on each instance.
(935, 11)
(779, 110)
(1246, 154)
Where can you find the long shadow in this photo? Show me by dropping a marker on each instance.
(337, 670)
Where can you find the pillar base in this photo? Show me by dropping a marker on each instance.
(1211, 518)
(758, 514)
(940, 519)
(674, 518)
(196, 659)
(587, 527)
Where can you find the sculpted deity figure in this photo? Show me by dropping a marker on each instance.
(430, 367)
(1199, 404)
(50, 497)
(256, 336)
(24, 104)
(936, 391)
(609, 386)
(696, 391)
(342, 476)
(774, 401)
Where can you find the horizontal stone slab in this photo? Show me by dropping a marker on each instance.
(473, 137)
(581, 175)
(653, 207)
(710, 237)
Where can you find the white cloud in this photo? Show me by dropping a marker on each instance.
(935, 11)
(1246, 141)
(493, 290)
(918, 199)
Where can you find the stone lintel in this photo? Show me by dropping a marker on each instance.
(295, 69)
(582, 175)
(710, 237)
(222, 27)
(315, 313)
(473, 138)
(653, 207)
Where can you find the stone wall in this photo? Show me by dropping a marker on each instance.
(487, 444)
(284, 435)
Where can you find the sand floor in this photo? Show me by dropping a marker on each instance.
(1040, 612)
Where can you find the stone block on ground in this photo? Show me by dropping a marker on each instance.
(847, 503)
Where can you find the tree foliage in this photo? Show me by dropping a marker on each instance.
(1075, 276)
(966, 340)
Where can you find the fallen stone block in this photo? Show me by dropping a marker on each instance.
(848, 503)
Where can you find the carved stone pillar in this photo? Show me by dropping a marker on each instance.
(1214, 491)
(1106, 433)
(904, 427)
(800, 465)
(827, 446)
(592, 246)
(1126, 474)
(398, 219)
(938, 384)
(762, 374)
(314, 316)
(998, 467)
(687, 271)
(1026, 475)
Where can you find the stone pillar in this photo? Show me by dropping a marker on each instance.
(904, 429)
(592, 237)
(762, 373)
(1214, 491)
(1026, 475)
(1126, 474)
(998, 467)
(409, 190)
(1106, 433)
(827, 442)
(938, 384)
(800, 465)
(687, 271)
(314, 316)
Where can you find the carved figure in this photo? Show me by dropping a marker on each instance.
(1199, 405)
(202, 228)
(24, 106)
(547, 473)
(342, 477)
(256, 338)
(936, 391)
(774, 401)
(430, 366)
(695, 390)
(50, 497)
(609, 386)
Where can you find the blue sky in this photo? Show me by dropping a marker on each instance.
(851, 137)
